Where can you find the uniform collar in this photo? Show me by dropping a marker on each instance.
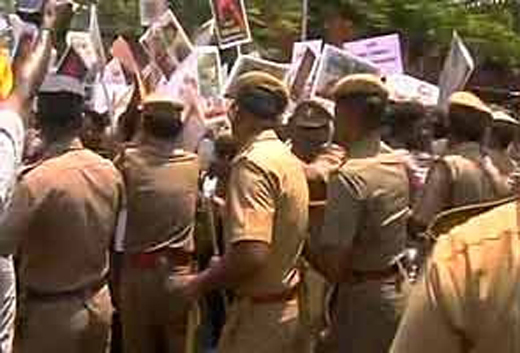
(264, 135)
(57, 148)
(370, 146)
(466, 149)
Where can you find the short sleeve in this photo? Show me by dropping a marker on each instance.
(345, 197)
(15, 221)
(426, 325)
(252, 196)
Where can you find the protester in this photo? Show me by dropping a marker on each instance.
(365, 222)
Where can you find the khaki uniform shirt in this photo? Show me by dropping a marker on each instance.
(367, 206)
(503, 162)
(63, 219)
(161, 187)
(458, 179)
(469, 298)
(268, 201)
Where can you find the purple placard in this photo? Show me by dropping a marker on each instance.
(382, 51)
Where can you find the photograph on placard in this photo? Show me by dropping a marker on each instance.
(210, 82)
(246, 63)
(154, 43)
(84, 45)
(72, 64)
(232, 25)
(81, 20)
(336, 64)
(7, 40)
(151, 10)
(152, 75)
(130, 54)
(302, 74)
(29, 6)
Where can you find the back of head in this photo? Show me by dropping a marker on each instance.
(162, 117)
(468, 117)
(60, 106)
(504, 129)
(367, 94)
(261, 95)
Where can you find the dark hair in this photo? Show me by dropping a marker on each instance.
(503, 135)
(262, 103)
(60, 113)
(467, 124)
(373, 107)
(161, 127)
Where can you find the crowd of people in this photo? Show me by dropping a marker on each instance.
(381, 226)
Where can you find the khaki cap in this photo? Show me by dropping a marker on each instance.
(469, 100)
(368, 84)
(502, 117)
(310, 114)
(258, 79)
(162, 103)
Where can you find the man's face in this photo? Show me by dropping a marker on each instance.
(307, 140)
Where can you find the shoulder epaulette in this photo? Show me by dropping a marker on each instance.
(446, 221)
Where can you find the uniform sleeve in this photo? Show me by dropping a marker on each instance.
(436, 193)
(345, 197)
(14, 223)
(252, 196)
(425, 326)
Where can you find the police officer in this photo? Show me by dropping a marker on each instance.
(266, 226)
(62, 223)
(463, 176)
(468, 299)
(310, 133)
(503, 132)
(158, 245)
(365, 222)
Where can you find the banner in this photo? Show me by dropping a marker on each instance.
(382, 51)
(232, 25)
(246, 63)
(336, 64)
(210, 82)
(408, 88)
(167, 44)
(151, 10)
(458, 67)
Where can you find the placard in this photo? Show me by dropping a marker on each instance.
(334, 65)
(232, 25)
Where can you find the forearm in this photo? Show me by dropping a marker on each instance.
(33, 71)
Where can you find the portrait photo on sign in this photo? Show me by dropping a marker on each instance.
(301, 74)
(210, 82)
(167, 43)
(151, 10)
(336, 64)
(232, 25)
(84, 45)
(72, 64)
(246, 63)
(29, 6)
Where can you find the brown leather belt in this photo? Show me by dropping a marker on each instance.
(84, 292)
(271, 298)
(152, 260)
(359, 277)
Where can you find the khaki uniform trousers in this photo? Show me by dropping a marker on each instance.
(69, 325)
(261, 328)
(154, 317)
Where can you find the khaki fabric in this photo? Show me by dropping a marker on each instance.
(469, 297)
(503, 162)
(267, 201)
(458, 179)
(79, 325)
(154, 315)
(265, 328)
(63, 219)
(367, 212)
(161, 185)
